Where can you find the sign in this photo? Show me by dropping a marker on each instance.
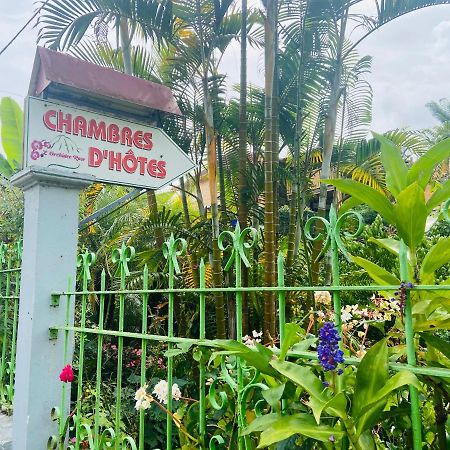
(113, 150)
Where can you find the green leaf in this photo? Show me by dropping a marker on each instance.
(260, 357)
(273, 395)
(12, 131)
(260, 423)
(303, 424)
(374, 199)
(437, 256)
(336, 406)
(349, 204)
(378, 274)
(304, 377)
(438, 343)
(182, 347)
(402, 378)
(5, 169)
(291, 337)
(392, 245)
(438, 323)
(371, 376)
(440, 195)
(304, 344)
(394, 165)
(365, 441)
(412, 213)
(422, 169)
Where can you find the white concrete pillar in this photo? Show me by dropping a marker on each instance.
(49, 259)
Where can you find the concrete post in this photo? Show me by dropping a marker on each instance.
(49, 259)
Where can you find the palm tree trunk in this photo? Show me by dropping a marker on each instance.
(125, 39)
(293, 206)
(331, 118)
(243, 185)
(199, 195)
(223, 202)
(212, 174)
(187, 218)
(270, 25)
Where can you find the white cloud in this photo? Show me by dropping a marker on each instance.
(17, 61)
(411, 62)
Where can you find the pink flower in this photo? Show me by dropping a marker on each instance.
(66, 375)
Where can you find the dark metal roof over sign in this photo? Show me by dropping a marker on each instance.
(62, 77)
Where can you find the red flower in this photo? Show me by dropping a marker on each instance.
(66, 375)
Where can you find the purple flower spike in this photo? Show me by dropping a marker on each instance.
(328, 349)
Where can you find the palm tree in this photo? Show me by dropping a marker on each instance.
(206, 28)
(65, 28)
(338, 14)
(441, 112)
(270, 150)
(62, 26)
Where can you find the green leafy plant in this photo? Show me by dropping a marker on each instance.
(410, 208)
(314, 405)
(11, 117)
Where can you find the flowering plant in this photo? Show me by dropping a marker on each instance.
(67, 375)
(328, 351)
(315, 403)
(161, 390)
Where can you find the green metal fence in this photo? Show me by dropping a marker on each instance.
(100, 416)
(10, 261)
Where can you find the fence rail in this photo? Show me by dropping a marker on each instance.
(10, 260)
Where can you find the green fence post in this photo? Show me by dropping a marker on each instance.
(410, 349)
(333, 241)
(171, 249)
(281, 297)
(84, 261)
(12, 367)
(122, 256)
(98, 376)
(202, 377)
(4, 262)
(239, 244)
(143, 353)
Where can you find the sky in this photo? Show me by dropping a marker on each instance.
(411, 63)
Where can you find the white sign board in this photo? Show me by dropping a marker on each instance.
(113, 150)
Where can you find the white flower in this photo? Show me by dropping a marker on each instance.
(143, 400)
(256, 334)
(248, 341)
(161, 391)
(346, 316)
(176, 393)
(144, 403)
(141, 393)
(322, 297)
